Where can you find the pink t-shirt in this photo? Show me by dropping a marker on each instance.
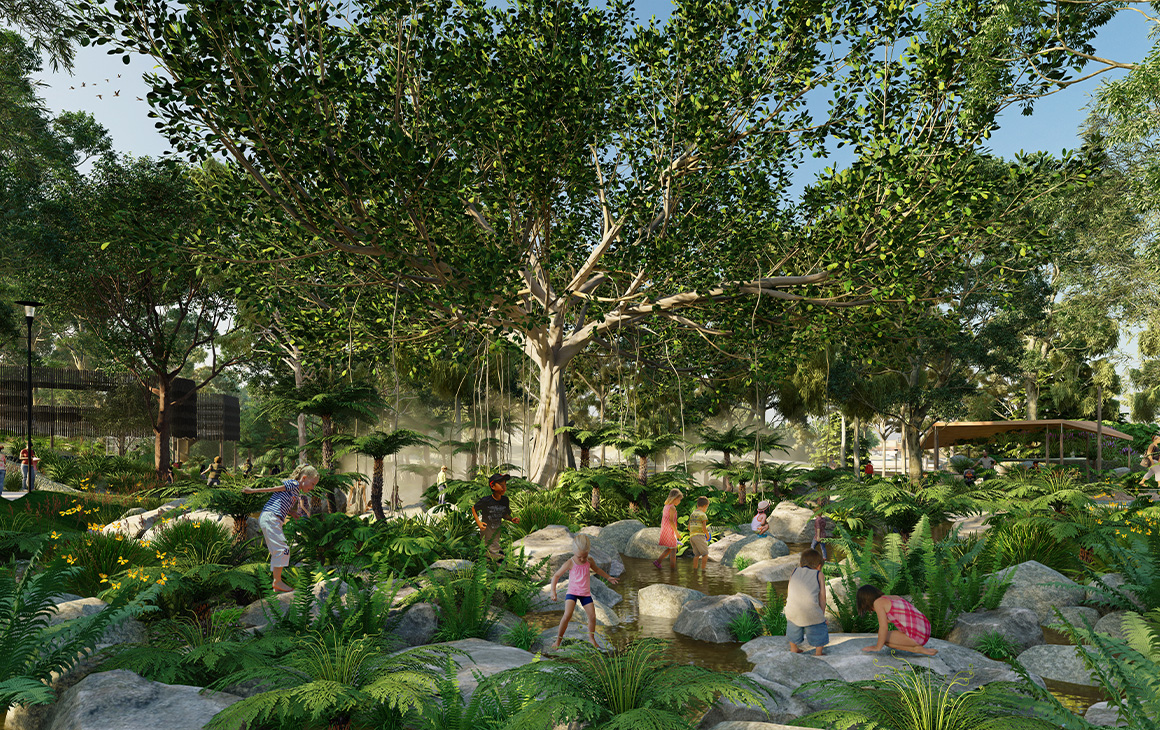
(579, 579)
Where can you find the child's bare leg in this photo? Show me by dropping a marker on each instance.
(569, 607)
(672, 557)
(278, 584)
(819, 651)
(902, 642)
(590, 610)
(795, 648)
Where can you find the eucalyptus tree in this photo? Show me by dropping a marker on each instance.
(560, 173)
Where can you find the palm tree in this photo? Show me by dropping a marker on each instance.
(335, 402)
(379, 445)
(733, 440)
(644, 448)
(587, 439)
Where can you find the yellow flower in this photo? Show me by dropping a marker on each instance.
(122, 560)
(70, 559)
(54, 535)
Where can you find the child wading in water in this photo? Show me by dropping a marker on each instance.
(805, 605)
(669, 538)
(579, 568)
(699, 534)
(913, 627)
(286, 498)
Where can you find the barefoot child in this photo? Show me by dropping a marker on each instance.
(913, 627)
(669, 538)
(579, 568)
(286, 498)
(760, 523)
(699, 533)
(805, 605)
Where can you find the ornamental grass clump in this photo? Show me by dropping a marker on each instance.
(98, 555)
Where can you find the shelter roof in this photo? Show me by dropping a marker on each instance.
(956, 432)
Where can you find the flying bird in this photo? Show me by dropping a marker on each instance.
(118, 75)
(72, 87)
(140, 99)
(82, 84)
(117, 92)
(100, 96)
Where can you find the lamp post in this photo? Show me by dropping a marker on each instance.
(30, 312)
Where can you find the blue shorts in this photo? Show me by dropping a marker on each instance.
(816, 635)
(584, 600)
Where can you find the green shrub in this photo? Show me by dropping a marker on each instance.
(522, 636)
(996, 646)
(13, 479)
(741, 562)
(97, 556)
(746, 627)
(196, 542)
(773, 615)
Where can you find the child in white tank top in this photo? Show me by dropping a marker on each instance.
(805, 605)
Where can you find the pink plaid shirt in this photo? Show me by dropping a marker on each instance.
(909, 620)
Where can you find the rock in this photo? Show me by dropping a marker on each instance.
(122, 700)
(485, 658)
(200, 515)
(505, 621)
(708, 618)
(593, 531)
(418, 625)
(615, 537)
(755, 548)
(645, 544)
(1059, 662)
(777, 704)
(748, 725)
(791, 523)
(136, 525)
(1121, 471)
(129, 631)
(662, 599)
(775, 569)
(1113, 581)
(65, 598)
(1020, 626)
(554, 542)
(1074, 615)
(1113, 624)
(261, 613)
(449, 566)
(1104, 715)
(576, 632)
(720, 545)
(1039, 588)
(542, 601)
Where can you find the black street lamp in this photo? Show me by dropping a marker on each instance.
(30, 312)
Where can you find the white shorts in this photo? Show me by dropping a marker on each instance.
(271, 525)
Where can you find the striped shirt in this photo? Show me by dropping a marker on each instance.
(282, 503)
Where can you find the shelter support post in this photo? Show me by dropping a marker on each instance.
(936, 449)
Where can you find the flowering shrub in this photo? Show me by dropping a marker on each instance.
(99, 555)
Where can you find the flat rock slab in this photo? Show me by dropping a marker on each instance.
(485, 658)
(1078, 616)
(718, 547)
(1104, 715)
(555, 543)
(1039, 588)
(662, 599)
(744, 725)
(1059, 662)
(615, 536)
(576, 632)
(542, 601)
(450, 565)
(261, 613)
(135, 525)
(791, 523)
(645, 544)
(708, 618)
(121, 700)
(1020, 626)
(755, 548)
(774, 569)
(776, 703)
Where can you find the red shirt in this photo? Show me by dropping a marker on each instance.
(24, 456)
(868, 470)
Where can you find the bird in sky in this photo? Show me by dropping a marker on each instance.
(100, 96)
(71, 87)
(117, 92)
(82, 84)
(140, 99)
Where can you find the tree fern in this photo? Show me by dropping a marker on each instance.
(31, 650)
(633, 687)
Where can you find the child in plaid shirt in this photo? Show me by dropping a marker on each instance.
(913, 628)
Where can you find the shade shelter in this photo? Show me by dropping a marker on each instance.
(943, 434)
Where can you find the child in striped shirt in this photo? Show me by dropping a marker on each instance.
(285, 499)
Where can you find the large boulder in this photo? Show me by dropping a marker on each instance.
(718, 547)
(645, 544)
(121, 700)
(136, 525)
(483, 658)
(554, 542)
(418, 625)
(708, 618)
(1113, 624)
(616, 536)
(776, 703)
(1060, 662)
(791, 523)
(261, 613)
(1020, 626)
(662, 599)
(1075, 615)
(750, 725)
(1104, 715)
(1039, 588)
(755, 548)
(452, 565)
(542, 601)
(774, 569)
(1114, 583)
(129, 631)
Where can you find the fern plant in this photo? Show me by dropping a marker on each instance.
(330, 679)
(465, 602)
(773, 619)
(522, 636)
(741, 563)
(996, 646)
(491, 705)
(31, 650)
(746, 627)
(631, 687)
(917, 699)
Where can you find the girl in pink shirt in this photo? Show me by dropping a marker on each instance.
(579, 568)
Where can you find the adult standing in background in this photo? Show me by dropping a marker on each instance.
(28, 461)
(441, 483)
(986, 462)
(3, 467)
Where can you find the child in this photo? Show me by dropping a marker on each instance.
(760, 523)
(823, 527)
(805, 605)
(699, 533)
(287, 498)
(669, 538)
(213, 472)
(913, 627)
(495, 509)
(580, 568)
